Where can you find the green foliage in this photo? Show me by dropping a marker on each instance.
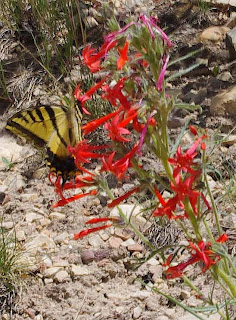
(54, 27)
(10, 253)
(7, 162)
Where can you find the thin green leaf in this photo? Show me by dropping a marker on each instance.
(188, 55)
(183, 72)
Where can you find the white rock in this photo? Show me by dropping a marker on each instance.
(95, 241)
(79, 270)
(3, 188)
(51, 272)
(141, 295)
(56, 216)
(10, 150)
(133, 211)
(20, 235)
(40, 243)
(61, 263)
(128, 242)
(7, 225)
(62, 276)
(48, 280)
(153, 262)
(61, 237)
(137, 312)
(32, 216)
(47, 261)
(29, 197)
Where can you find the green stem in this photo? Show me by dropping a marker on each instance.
(192, 218)
(228, 281)
(124, 217)
(208, 231)
(211, 197)
(191, 285)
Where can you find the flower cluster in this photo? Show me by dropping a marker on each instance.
(201, 251)
(135, 59)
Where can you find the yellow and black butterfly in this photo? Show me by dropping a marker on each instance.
(57, 127)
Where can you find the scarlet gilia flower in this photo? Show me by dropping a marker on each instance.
(184, 161)
(167, 207)
(201, 252)
(118, 167)
(122, 198)
(141, 62)
(184, 190)
(80, 182)
(116, 127)
(93, 59)
(94, 124)
(82, 98)
(123, 56)
(115, 220)
(115, 95)
(83, 152)
(65, 201)
(193, 130)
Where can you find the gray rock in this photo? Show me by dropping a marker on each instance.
(137, 312)
(61, 237)
(231, 42)
(62, 276)
(79, 270)
(224, 103)
(56, 216)
(115, 242)
(51, 272)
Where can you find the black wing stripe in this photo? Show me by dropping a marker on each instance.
(30, 113)
(39, 114)
(23, 117)
(25, 132)
(52, 117)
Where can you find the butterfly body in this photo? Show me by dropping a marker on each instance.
(57, 127)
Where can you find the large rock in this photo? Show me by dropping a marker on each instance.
(224, 103)
(231, 43)
(214, 34)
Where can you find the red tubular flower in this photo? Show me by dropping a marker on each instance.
(200, 252)
(93, 59)
(84, 233)
(119, 167)
(116, 129)
(184, 189)
(80, 182)
(82, 98)
(123, 56)
(222, 238)
(83, 152)
(122, 198)
(193, 130)
(115, 93)
(65, 201)
(185, 161)
(167, 207)
(93, 125)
